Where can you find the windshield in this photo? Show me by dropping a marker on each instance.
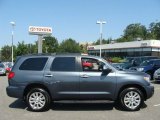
(1, 65)
(126, 65)
(145, 63)
(129, 59)
(122, 66)
(158, 70)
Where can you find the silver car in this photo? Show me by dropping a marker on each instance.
(2, 69)
(157, 75)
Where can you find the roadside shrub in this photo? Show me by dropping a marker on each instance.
(117, 59)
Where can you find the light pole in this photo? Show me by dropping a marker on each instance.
(101, 23)
(13, 25)
(0, 55)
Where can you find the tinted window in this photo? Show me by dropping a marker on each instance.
(157, 62)
(63, 64)
(36, 64)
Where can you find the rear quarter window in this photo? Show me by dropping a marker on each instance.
(34, 64)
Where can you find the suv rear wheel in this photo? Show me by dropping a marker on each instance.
(38, 99)
(131, 99)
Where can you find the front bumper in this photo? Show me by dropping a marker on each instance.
(156, 77)
(15, 91)
(149, 91)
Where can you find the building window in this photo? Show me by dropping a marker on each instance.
(147, 49)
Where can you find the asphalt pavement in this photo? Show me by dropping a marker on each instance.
(15, 109)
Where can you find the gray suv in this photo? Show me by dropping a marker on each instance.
(40, 79)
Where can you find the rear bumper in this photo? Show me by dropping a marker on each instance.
(149, 91)
(14, 91)
(2, 73)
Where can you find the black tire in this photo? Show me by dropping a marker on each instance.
(129, 104)
(46, 99)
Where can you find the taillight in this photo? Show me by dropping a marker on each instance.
(11, 75)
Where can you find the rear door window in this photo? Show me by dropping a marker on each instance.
(63, 64)
(35, 64)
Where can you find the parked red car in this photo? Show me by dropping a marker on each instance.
(87, 64)
(8, 69)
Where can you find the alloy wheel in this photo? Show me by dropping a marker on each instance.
(132, 99)
(37, 100)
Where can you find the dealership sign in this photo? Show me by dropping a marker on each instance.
(35, 30)
(91, 48)
(143, 44)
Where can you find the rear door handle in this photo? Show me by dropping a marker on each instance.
(48, 75)
(84, 76)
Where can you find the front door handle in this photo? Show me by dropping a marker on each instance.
(48, 75)
(84, 76)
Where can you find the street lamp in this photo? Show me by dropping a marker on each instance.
(0, 55)
(101, 23)
(13, 25)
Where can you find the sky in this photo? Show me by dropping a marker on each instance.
(74, 19)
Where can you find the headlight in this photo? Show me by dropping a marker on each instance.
(147, 78)
(140, 69)
(155, 73)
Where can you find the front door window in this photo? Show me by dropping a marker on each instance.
(91, 65)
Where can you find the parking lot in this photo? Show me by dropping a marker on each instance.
(14, 109)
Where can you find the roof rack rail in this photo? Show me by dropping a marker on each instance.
(67, 53)
(59, 53)
(41, 54)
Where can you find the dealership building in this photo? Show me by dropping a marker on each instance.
(127, 49)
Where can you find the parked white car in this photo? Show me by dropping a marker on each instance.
(2, 69)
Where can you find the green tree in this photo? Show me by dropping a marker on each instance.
(50, 44)
(154, 31)
(134, 31)
(22, 49)
(104, 41)
(121, 39)
(69, 46)
(83, 47)
(6, 53)
(32, 48)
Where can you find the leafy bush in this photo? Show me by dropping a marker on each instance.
(117, 59)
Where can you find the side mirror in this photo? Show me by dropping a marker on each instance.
(106, 70)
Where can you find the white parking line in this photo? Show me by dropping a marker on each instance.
(156, 105)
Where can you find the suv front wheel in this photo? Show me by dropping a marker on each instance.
(38, 99)
(131, 99)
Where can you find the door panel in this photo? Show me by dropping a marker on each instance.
(63, 78)
(94, 84)
(97, 86)
(64, 85)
